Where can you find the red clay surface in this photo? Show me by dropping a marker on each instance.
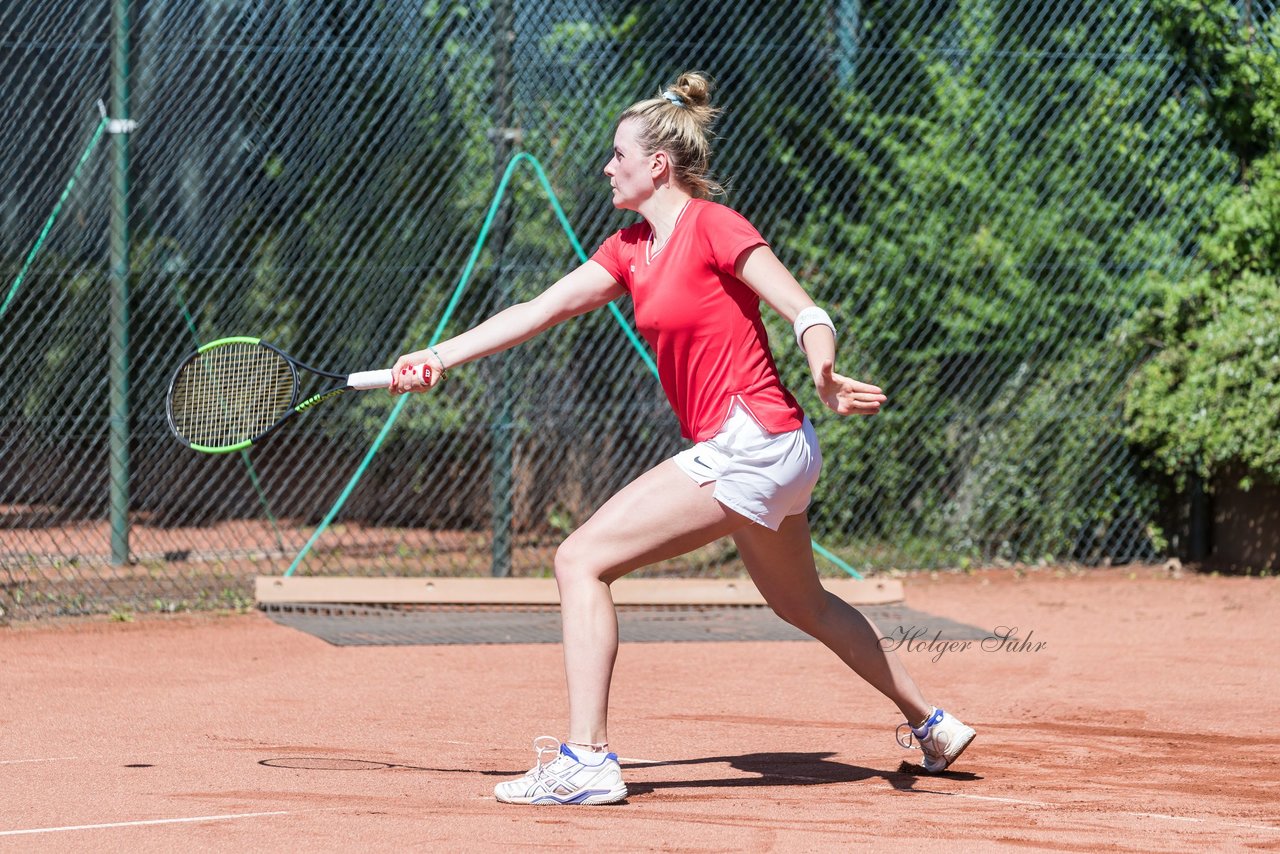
(1145, 722)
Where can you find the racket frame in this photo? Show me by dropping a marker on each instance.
(295, 407)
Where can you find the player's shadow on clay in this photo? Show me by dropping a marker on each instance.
(787, 769)
(755, 769)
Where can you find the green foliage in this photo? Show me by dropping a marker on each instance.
(1235, 68)
(60, 379)
(1039, 483)
(987, 249)
(1208, 396)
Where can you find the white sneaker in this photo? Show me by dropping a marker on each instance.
(564, 779)
(942, 739)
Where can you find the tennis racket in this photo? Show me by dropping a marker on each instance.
(234, 392)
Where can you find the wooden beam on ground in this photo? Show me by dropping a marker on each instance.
(542, 591)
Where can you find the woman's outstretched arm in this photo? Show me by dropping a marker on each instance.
(587, 287)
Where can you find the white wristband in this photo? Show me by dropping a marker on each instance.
(811, 316)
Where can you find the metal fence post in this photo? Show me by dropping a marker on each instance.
(122, 13)
(502, 429)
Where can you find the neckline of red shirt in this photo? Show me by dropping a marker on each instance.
(649, 254)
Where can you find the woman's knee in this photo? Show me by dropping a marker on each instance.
(576, 561)
(805, 613)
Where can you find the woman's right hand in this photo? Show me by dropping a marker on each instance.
(417, 371)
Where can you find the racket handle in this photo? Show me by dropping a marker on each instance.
(366, 380)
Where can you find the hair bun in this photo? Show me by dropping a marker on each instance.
(679, 122)
(694, 88)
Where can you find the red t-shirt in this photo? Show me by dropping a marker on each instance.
(702, 322)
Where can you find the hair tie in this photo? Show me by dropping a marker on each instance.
(673, 98)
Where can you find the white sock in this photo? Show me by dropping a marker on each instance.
(924, 728)
(587, 757)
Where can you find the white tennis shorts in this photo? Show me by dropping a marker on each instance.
(764, 476)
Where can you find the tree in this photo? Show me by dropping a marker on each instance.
(1207, 398)
(980, 241)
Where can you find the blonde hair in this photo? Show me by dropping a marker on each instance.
(679, 122)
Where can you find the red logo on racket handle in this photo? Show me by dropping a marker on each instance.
(413, 369)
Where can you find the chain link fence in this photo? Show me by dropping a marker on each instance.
(978, 191)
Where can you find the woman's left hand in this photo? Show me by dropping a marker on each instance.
(847, 396)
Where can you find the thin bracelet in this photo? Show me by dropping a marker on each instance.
(438, 359)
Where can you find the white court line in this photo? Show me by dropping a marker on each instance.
(1023, 802)
(47, 759)
(1193, 819)
(1026, 803)
(187, 820)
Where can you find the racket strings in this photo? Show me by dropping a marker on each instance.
(231, 394)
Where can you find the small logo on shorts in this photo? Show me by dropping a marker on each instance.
(699, 461)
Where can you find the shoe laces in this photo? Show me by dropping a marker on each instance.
(932, 744)
(545, 746)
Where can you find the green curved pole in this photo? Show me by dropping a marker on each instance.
(53, 217)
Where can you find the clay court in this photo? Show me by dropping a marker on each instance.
(1141, 722)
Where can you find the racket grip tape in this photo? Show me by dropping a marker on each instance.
(366, 380)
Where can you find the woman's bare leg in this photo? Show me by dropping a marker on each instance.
(661, 514)
(781, 565)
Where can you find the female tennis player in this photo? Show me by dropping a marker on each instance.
(696, 272)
